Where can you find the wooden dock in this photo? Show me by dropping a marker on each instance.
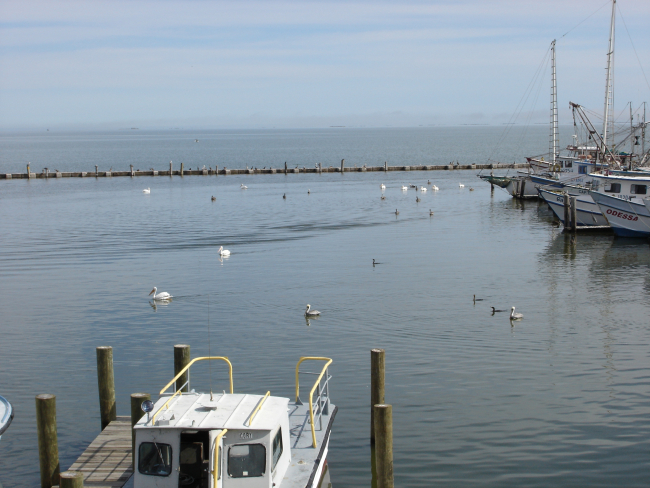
(256, 171)
(106, 463)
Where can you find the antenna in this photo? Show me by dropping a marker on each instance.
(209, 352)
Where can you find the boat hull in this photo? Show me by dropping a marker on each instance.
(587, 212)
(627, 218)
(522, 187)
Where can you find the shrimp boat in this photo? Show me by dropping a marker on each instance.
(234, 440)
(6, 414)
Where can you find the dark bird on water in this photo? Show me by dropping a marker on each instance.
(213, 198)
(383, 197)
(477, 299)
(374, 262)
(494, 310)
(308, 192)
(396, 212)
(417, 199)
(284, 195)
(430, 212)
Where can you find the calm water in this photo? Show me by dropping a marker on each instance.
(561, 398)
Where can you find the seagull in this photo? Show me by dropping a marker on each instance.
(404, 188)
(146, 190)
(311, 313)
(160, 296)
(383, 197)
(396, 212)
(431, 212)
(382, 186)
(494, 310)
(428, 182)
(460, 185)
(477, 299)
(243, 187)
(471, 189)
(414, 186)
(308, 192)
(515, 316)
(196, 140)
(213, 198)
(223, 252)
(435, 188)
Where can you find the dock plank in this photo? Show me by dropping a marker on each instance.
(106, 462)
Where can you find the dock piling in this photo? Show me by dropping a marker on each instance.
(72, 479)
(384, 445)
(132, 172)
(342, 164)
(574, 213)
(385, 166)
(96, 171)
(136, 414)
(106, 385)
(48, 446)
(181, 169)
(377, 385)
(170, 169)
(181, 359)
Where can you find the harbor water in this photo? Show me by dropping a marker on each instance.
(559, 398)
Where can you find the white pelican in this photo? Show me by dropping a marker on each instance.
(311, 313)
(160, 296)
(404, 188)
(382, 186)
(515, 316)
(423, 189)
(243, 187)
(223, 252)
(460, 185)
(435, 188)
(146, 190)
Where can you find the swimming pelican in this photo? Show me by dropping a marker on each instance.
(423, 189)
(311, 313)
(515, 316)
(494, 310)
(243, 187)
(382, 186)
(160, 296)
(460, 185)
(146, 190)
(213, 198)
(396, 212)
(435, 188)
(404, 188)
(223, 252)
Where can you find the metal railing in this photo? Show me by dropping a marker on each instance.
(215, 471)
(179, 390)
(322, 398)
(258, 408)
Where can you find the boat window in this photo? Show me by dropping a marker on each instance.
(568, 164)
(582, 170)
(277, 448)
(155, 459)
(246, 460)
(613, 188)
(639, 189)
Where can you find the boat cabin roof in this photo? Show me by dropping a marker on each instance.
(225, 411)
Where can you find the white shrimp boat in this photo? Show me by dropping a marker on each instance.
(587, 212)
(6, 414)
(237, 440)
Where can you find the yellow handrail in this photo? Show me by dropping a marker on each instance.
(222, 358)
(215, 471)
(257, 409)
(153, 420)
(311, 393)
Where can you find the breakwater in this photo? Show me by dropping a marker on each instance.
(252, 171)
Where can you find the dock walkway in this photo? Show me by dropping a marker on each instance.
(106, 463)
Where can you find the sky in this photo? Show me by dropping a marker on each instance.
(247, 64)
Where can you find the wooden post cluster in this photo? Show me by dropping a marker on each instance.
(136, 414)
(72, 479)
(106, 385)
(48, 446)
(377, 385)
(384, 445)
(181, 359)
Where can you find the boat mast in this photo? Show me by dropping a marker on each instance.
(609, 92)
(554, 142)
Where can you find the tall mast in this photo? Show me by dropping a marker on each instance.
(609, 95)
(554, 142)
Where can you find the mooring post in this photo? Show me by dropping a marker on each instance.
(96, 171)
(181, 169)
(574, 214)
(28, 170)
(136, 414)
(181, 359)
(384, 445)
(320, 168)
(72, 479)
(567, 213)
(285, 167)
(171, 171)
(385, 166)
(132, 173)
(106, 385)
(377, 385)
(48, 446)
(342, 164)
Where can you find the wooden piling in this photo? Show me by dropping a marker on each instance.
(72, 479)
(377, 385)
(342, 164)
(181, 359)
(170, 169)
(182, 164)
(48, 446)
(574, 213)
(384, 445)
(385, 166)
(567, 212)
(106, 385)
(285, 167)
(136, 414)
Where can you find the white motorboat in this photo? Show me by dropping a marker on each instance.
(6, 414)
(224, 440)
